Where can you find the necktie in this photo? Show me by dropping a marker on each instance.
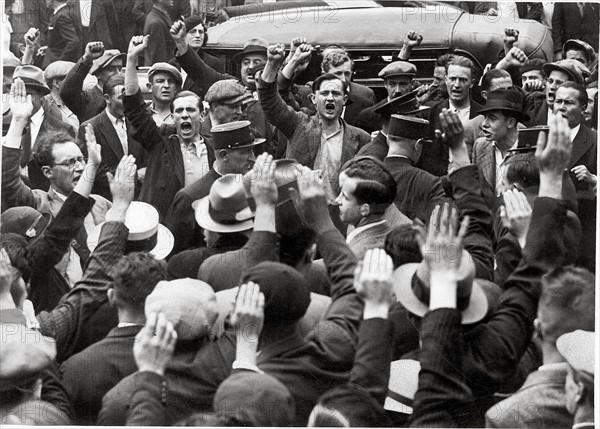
(26, 145)
(122, 132)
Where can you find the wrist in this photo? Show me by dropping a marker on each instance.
(376, 310)
(443, 289)
(87, 59)
(159, 371)
(550, 185)
(264, 218)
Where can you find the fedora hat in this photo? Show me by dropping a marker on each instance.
(412, 288)
(225, 209)
(25, 221)
(566, 66)
(234, 135)
(146, 234)
(402, 386)
(509, 100)
(33, 77)
(408, 127)
(406, 104)
(580, 45)
(107, 57)
(255, 45)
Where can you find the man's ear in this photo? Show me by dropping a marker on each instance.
(106, 98)
(484, 94)
(345, 99)
(111, 297)
(312, 98)
(47, 171)
(224, 154)
(580, 394)
(537, 329)
(365, 210)
(148, 85)
(310, 253)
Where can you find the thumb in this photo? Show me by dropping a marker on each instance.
(110, 178)
(29, 101)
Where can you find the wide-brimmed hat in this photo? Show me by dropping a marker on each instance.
(406, 104)
(509, 100)
(566, 66)
(25, 221)
(398, 68)
(234, 135)
(580, 45)
(412, 288)
(146, 234)
(402, 385)
(579, 348)
(58, 69)
(165, 68)
(33, 77)
(225, 209)
(408, 127)
(107, 57)
(189, 304)
(255, 45)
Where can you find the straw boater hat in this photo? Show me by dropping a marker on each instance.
(146, 234)
(579, 348)
(225, 209)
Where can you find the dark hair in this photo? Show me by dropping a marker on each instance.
(336, 58)
(458, 60)
(376, 187)
(402, 245)
(354, 403)
(134, 278)
(186, 93)
(18, 251)
(582, 97)
(293, 247)
(112, 83)
(486, 80)
(327, 77)
(442, 60)
(567, 302)
(523, 170)
(43, 155)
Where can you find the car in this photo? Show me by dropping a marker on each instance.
(373, 30)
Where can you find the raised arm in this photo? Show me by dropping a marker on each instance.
(70, 319)
(411, 41)
(32, 43)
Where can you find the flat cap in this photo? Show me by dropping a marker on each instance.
(398, 68)
(408, 127)
(228, 91)
(107, 57)
(580, 45)
(573, 68)
(165, 68)
(58, 69)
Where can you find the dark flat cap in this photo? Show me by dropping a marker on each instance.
(398, 68)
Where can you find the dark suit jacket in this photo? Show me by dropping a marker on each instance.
(111, 359)
(304, 131)
(181, 219)
(434, 157)
(65, 35)
(160, 44)
(545, 390)
(530, 10)
(568, 23)
(142, 8)
(104, 24)
(537, 109)
(165, 171)
(85, 103)
(112, 150)
(418, 190)
(378, 147)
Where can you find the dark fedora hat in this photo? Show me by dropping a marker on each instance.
(234, 135)
(33, 77)
(25, 221)
(408, 127)
(406, 104)
(256, 45)
(509, 100)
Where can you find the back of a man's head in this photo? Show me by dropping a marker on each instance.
(376, 185)
(522, 170)
(489, 77)
(335, 58)
(566, 303)
(135, 277)
(294, 248)
(402, 246)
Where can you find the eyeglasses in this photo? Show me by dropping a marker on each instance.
(72, 162)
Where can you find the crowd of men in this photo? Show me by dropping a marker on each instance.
(250, 250)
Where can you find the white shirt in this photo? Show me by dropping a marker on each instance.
(355, 231)
(36, 123)
(463, 113)
(121, 129)
(500, 164)
(574, 132)
(85, 7)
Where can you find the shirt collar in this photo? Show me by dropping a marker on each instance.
(59, 7)
(112, 118)
(553, 366)
(514, 146)
(38, 117)
(60, 196)
(574, 131)
(356, 231)
(452, 106)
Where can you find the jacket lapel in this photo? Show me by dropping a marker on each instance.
(110, 135)
(350, 143)
(581, 145)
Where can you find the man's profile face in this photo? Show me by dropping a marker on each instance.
(164, 87)
(556, 79)
(248, 62)
(330, 99)
(342, 71)
(439, 79)
(495, 126)
(187, 114)
(241, 161)
(224, 113)
(459, 82)
(567, 104)
(397, 86)
(346, 201)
